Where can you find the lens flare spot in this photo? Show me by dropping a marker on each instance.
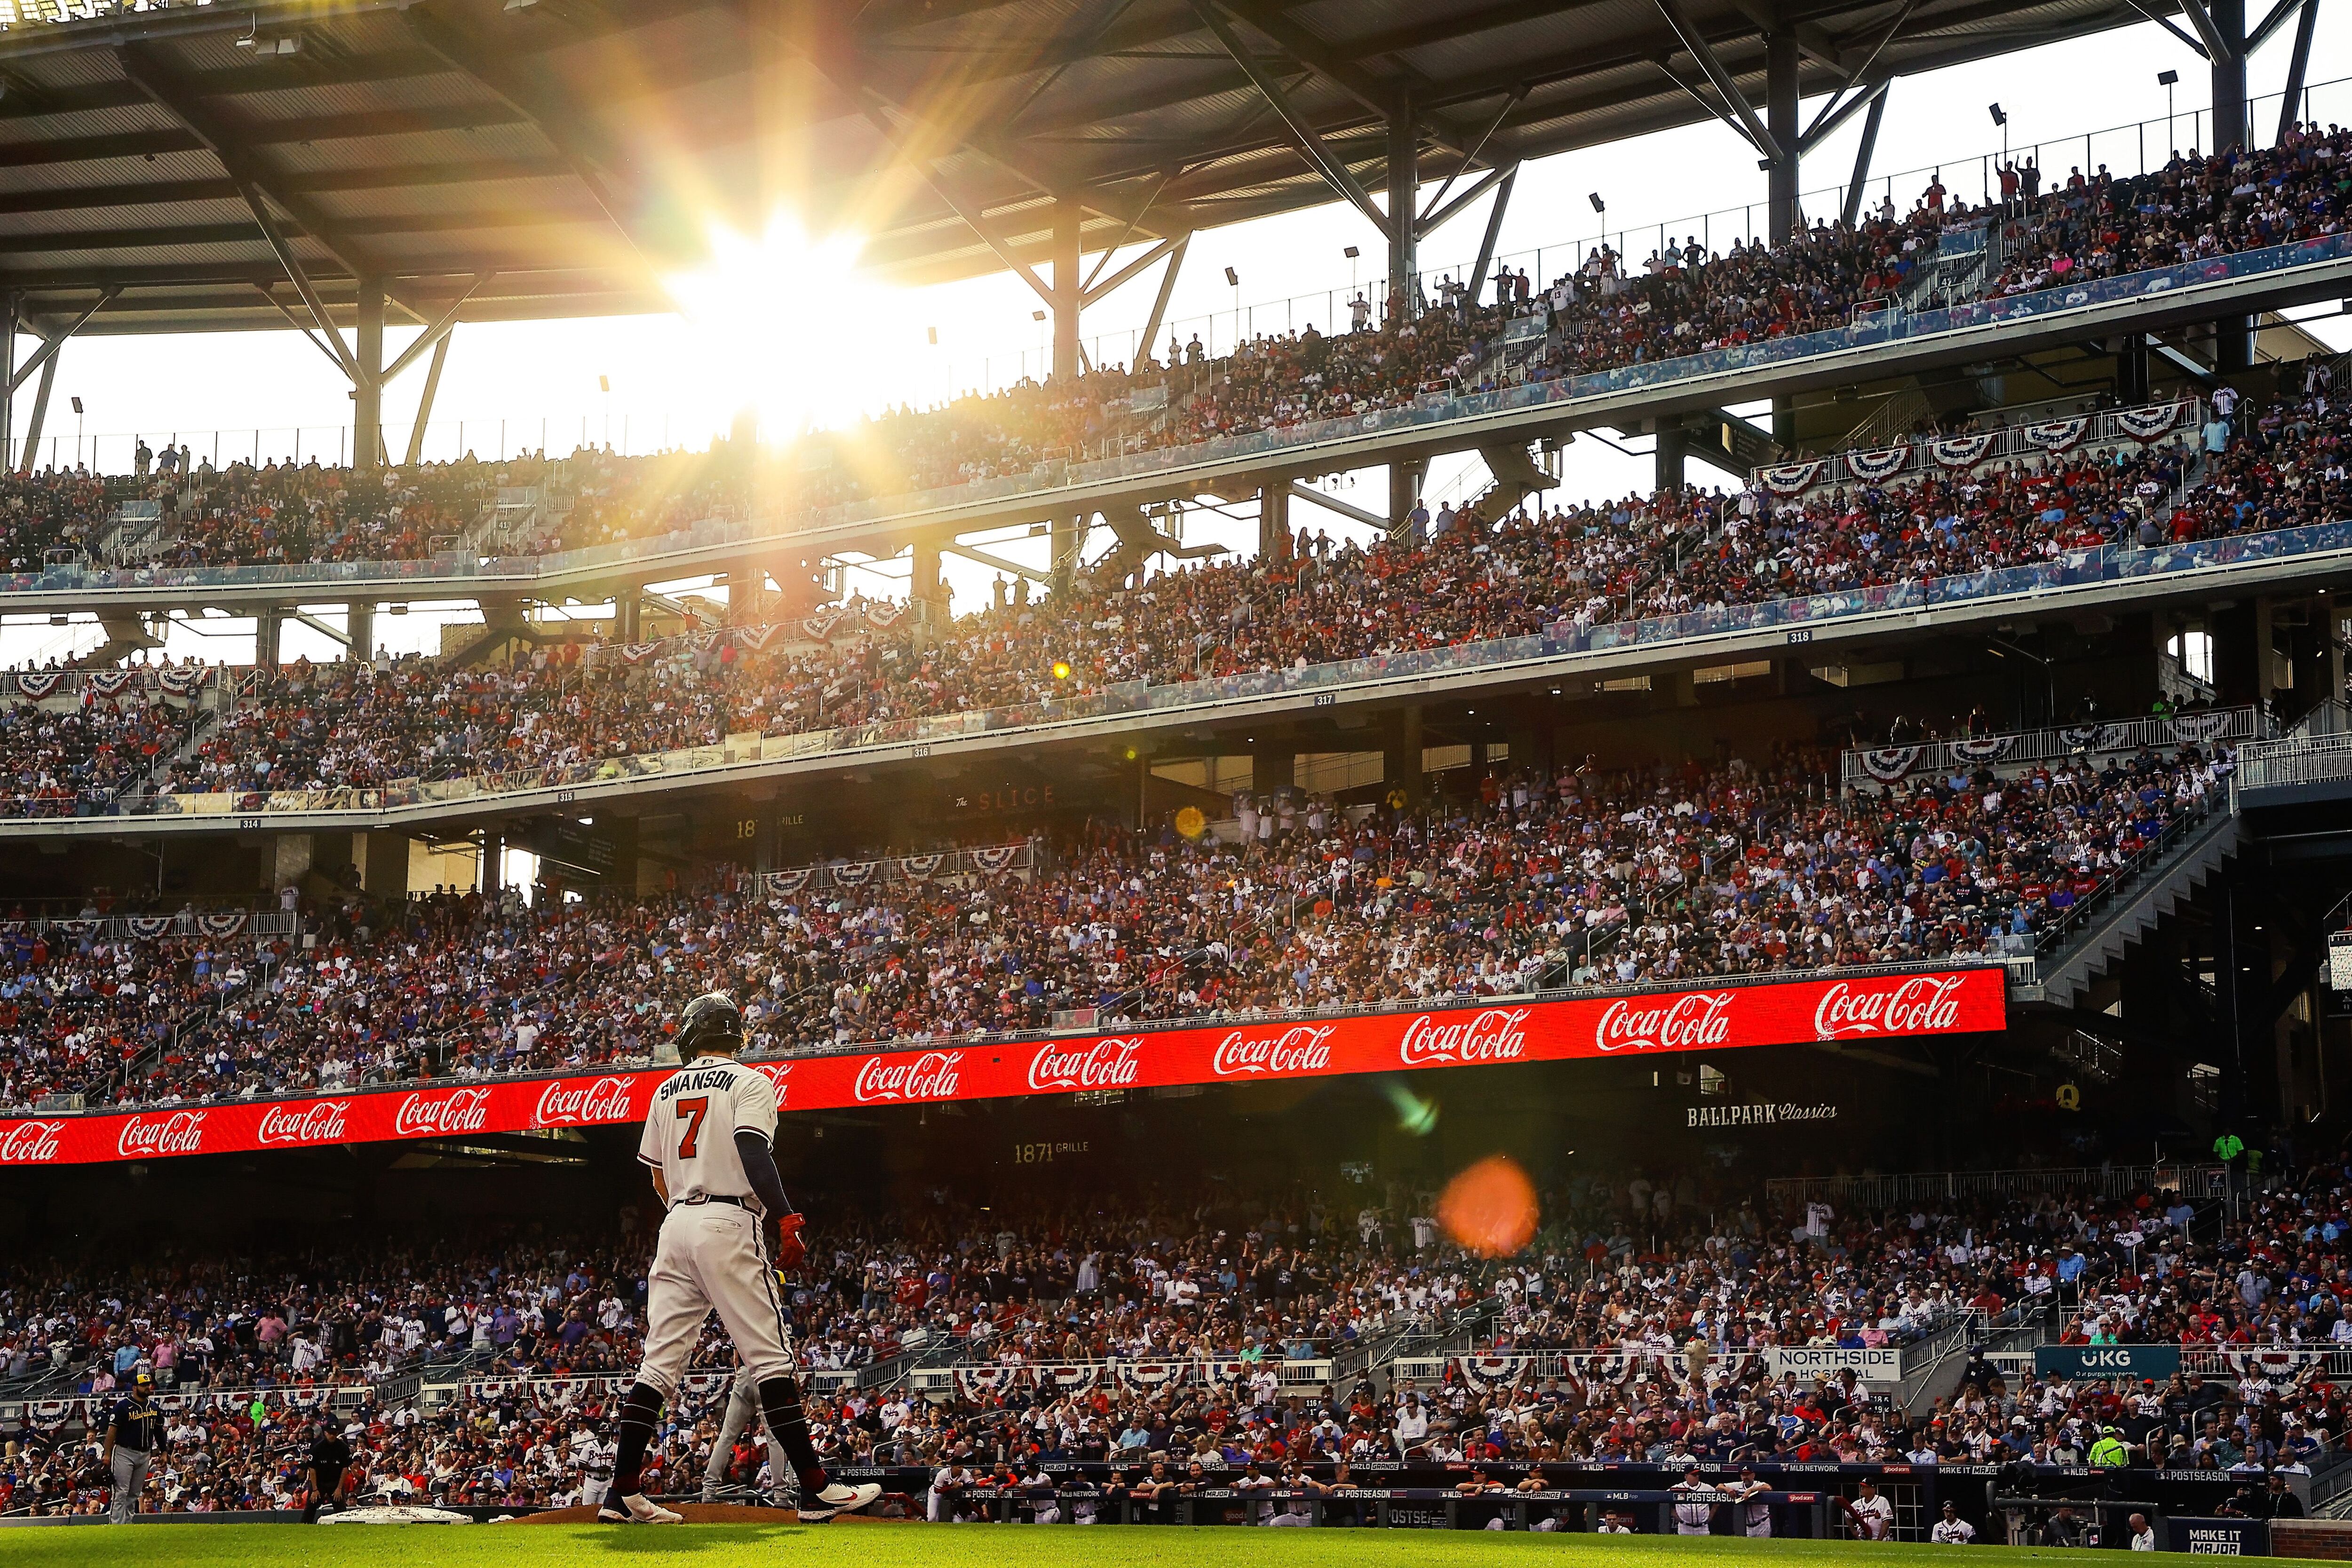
(1490, 1209)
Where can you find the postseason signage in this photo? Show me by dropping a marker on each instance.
(1879, 1007)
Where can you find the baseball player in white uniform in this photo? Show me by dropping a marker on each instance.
(743, 1413)
(708, 1140)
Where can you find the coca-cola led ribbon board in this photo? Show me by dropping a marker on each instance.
(1877, 1007)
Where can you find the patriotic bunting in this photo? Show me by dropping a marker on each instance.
(223, 923)
(1789, 478)
(1991, 747)
(107, 682)
(37, 684)
(1883, 464)
(2198, 727)
(2056, 435)
(1891, 762)
(2148, 423)
(883, 617)
(1960, 451)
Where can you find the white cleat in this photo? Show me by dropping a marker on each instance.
(838, 1499)
(636, 1509)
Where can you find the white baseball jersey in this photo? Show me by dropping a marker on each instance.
(689, 1135)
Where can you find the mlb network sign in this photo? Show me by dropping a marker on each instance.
(1874, 1007)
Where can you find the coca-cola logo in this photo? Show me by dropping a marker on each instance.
(182, 1132)
(1303, 1047)
(1496, 1035)
(574, 1104)
(454, 1111)
(776, 1073)
(1683, 1023)
(1104, 1064)
(1915, 1005)
(930, 1076)
(30, 1142)
(320, 1121)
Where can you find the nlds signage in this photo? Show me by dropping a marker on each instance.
(1723, 1018)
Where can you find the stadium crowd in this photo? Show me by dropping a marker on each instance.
(364, 725)
(1601, 315)
(1665, 1289)
(1581, 879)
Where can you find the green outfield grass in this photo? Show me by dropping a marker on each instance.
(922, 1546)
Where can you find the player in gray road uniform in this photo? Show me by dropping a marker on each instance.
(743, 1414)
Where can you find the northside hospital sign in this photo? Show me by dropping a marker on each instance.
(1876, 1007)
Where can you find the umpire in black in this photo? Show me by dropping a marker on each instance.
(134, 1429)
(330, 1457)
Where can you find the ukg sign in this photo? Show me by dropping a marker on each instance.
(1881, 1007)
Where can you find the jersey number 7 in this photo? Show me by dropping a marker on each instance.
(692, 1112)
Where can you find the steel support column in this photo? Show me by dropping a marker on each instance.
(12, 310)
(1861, 157)
(1274, 764)
(1405, 474)
(266, 626)
(1272, 519)
(2131, 370)
(29, 457)
(1069, 288)
(425, 404)
(2229, 19)
(1494, 231)
(2299, 64)
(1781, 60)
(1401, 754)
(1672, 448)
(1405, 189)
(359, 630)
(2233, 336)
(367, 387)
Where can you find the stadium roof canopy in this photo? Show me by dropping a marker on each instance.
(178, 166)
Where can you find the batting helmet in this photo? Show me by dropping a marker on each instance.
(712, 1023)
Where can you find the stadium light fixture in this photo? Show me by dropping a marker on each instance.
(1232, 277)
(1598, 204)
(1997, 117)
(1351, 253)
(2168, 79)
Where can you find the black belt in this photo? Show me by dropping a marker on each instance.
(717, 1198)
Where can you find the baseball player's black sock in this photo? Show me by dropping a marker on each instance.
(639, 1412)
(779, 1401)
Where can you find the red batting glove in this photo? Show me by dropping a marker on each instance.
(790, 1248)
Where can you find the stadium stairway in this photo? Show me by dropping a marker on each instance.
(2166, 877)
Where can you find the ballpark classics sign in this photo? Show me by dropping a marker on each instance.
(1883, 1007)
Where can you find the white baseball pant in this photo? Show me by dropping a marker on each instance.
(710, 1259)
(743, 1413)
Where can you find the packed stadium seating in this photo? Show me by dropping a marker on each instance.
(355, 725)
(1581, 879)
(1657, 1347)
(1603, 315)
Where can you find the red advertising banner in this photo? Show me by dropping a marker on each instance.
(1875, 1008)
